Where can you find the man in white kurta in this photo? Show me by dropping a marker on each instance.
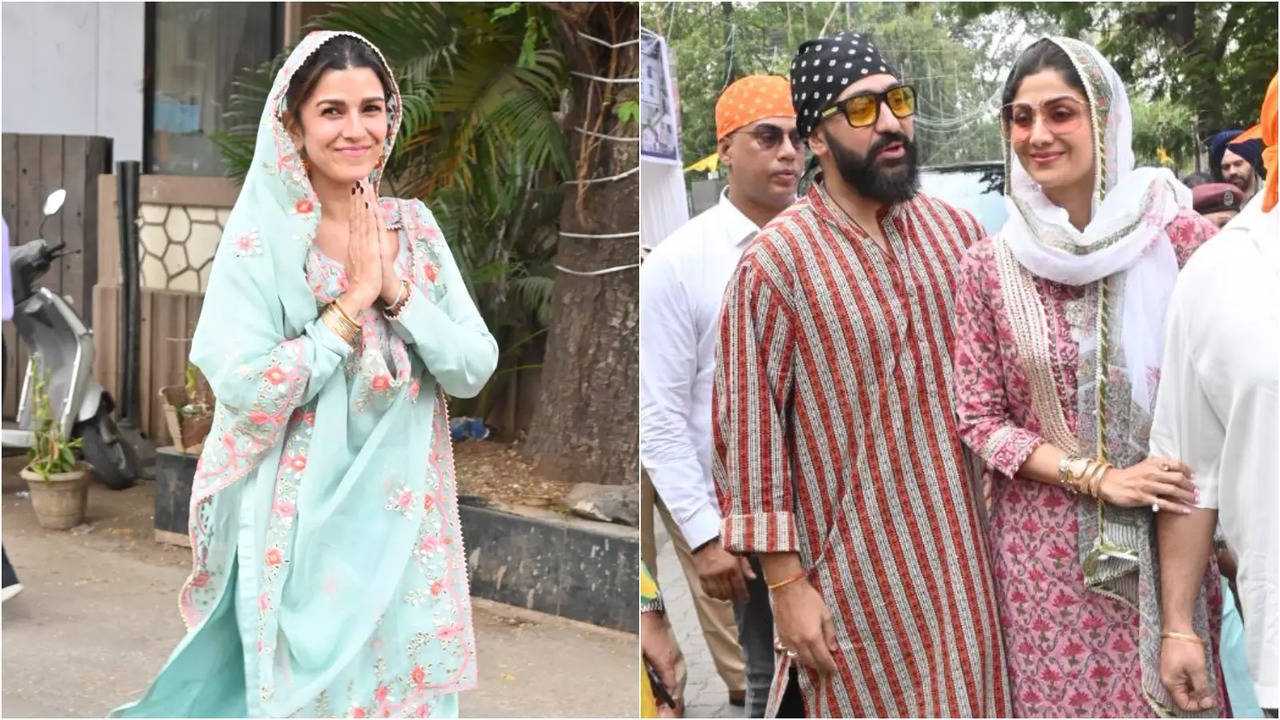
(1218, 411)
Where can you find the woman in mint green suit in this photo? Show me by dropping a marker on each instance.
(329, 577)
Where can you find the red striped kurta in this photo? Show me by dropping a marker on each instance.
(835, 437)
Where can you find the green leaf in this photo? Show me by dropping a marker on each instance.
(628, 111)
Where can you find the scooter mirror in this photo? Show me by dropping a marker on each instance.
(53, 203)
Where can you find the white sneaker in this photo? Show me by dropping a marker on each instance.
(9, 591)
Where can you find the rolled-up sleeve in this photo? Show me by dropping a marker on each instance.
(753, 382)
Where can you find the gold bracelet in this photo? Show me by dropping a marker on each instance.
(1170, 635)
(345, 316)
(338, 323)
(1085, 482)
(1065, 476)
(1096, 484)
(343, 321)
(798, 576)
(334, 322)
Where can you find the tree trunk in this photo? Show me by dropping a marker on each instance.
(585, 427)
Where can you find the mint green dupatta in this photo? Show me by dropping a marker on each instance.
(329, 577)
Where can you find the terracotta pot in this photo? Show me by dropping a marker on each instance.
(60, 501)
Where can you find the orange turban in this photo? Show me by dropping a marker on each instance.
(750, 99)
(1268, 123)
(1265, 131)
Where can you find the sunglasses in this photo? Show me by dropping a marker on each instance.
(1060, 115)
(769, 136)
(863, 109)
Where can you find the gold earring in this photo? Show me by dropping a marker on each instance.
(381, 158)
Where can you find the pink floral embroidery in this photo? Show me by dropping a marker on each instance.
(248, 244)
(430, 271)
(419, 675)
(437, 587)
(381, 382)
(357, 711)
(303, 207)
(380, 694)
(449, 631)
(298, 462)
(264, 602)
(414, 387)
(258, 417)
(200, 579)
(275, 375)
(273, 556)
(284, 508)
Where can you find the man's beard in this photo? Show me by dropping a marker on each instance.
(888, 186)
(1244, 183)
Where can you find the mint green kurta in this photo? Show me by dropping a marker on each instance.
(329, 577)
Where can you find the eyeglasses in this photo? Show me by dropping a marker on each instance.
(1060, 115)
(863, 109)
(769, 136)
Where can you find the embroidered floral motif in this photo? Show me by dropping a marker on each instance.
(401, 500)
(248, 244)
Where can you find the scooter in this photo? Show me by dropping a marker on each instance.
(62, 347)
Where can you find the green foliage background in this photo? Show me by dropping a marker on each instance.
(1190, 68)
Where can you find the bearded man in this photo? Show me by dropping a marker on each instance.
(837, 460)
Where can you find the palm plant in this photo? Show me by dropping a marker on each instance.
(481, 143)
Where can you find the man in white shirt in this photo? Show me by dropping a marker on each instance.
(682, 283)
(1218, 412)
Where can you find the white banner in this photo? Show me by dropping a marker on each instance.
(659, 114)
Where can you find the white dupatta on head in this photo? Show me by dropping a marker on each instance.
(1126, 233)
(1125, 261)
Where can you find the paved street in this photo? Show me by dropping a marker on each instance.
(99, 616)
(705, 693)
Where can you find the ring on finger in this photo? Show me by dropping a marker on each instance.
(1155, 507)
(792, 654)
(1164, 467)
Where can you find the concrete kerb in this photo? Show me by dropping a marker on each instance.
(576, 569)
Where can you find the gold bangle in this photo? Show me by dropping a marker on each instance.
(798, 576)
(1170, 635)
(1065, 477)
(340, 321)
(1085, 483)
(333, 318)
(1096, 485)
(345, 316)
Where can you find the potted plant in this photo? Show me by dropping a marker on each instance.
(57, 480)
(188, 411)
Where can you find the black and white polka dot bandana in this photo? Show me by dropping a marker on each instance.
(824, 67)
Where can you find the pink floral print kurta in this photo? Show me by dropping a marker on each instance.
(1070, 652)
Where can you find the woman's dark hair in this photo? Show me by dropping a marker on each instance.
(339, 53)
(1044, 54)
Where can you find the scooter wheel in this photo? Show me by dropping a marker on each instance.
(111, 457)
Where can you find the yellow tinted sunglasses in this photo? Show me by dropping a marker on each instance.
(863, 109)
